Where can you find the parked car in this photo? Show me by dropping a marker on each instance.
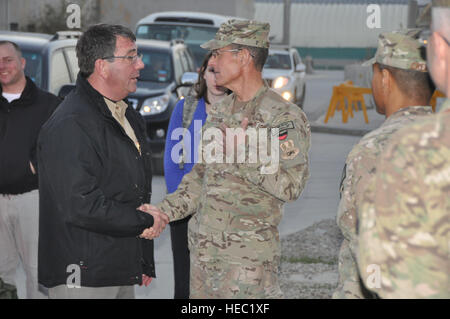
(194, 28)
(284, 71)
(51, 60)
(168, 75)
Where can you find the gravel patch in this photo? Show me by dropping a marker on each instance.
(309, 268)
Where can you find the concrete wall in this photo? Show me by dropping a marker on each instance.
(130, 12)
(334, 33)
(326, 25)
(126, 12)
(3, 14)
(29, 14)
(22, 12)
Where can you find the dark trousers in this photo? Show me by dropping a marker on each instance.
(181, 261)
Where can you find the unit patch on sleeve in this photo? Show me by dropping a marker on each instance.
(283, 129)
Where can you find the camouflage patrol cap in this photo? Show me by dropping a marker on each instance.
(441, 3)
(400, 49)
(245, 32)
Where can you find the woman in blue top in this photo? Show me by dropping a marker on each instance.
(206, 93)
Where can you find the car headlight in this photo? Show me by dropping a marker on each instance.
(155, 105)
(287, 95)
(280, 82)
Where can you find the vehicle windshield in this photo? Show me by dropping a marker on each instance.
(278, 61)
(33, 66)
(193, 36)
(158, 66)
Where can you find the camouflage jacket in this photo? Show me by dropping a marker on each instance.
(361, 162)
(404, 214)
(238, 206)
(359, 168)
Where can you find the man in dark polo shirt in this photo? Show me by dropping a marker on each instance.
(24, 108)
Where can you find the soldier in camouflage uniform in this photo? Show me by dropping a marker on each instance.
(404, 227)
(233, 234)
(397, 59)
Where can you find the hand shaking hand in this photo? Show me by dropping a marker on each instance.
(146, 280)
(160, 220)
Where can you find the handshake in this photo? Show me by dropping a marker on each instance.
(160, 220)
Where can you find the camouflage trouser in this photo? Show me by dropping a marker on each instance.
(349, 286)
(7, 291)
(221, 279)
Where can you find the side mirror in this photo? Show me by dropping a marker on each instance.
(189, 78)
(65, 90)
(300, 68)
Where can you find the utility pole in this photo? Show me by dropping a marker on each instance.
(412, 13)
(287, 22)
(4, 14)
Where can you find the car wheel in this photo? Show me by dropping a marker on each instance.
(301, 101)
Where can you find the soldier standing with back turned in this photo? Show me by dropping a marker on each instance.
(404, 229)
(402, 89)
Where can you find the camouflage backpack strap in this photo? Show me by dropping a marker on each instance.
(189, 107)
(7, 291)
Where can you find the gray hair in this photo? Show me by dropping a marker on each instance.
(259, 55)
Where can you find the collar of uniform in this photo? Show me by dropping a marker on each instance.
(250, 105)
(419, 110)
(118, 108)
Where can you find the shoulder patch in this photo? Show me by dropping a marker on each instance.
(286, 125)
(283, 129)
(288, 150)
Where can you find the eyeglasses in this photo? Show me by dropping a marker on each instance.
(132, 59)
(216, 53)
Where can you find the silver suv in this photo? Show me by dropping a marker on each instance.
(194, 28)
(285, 73)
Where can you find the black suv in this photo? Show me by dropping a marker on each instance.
(51, 60)
(168, 75)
